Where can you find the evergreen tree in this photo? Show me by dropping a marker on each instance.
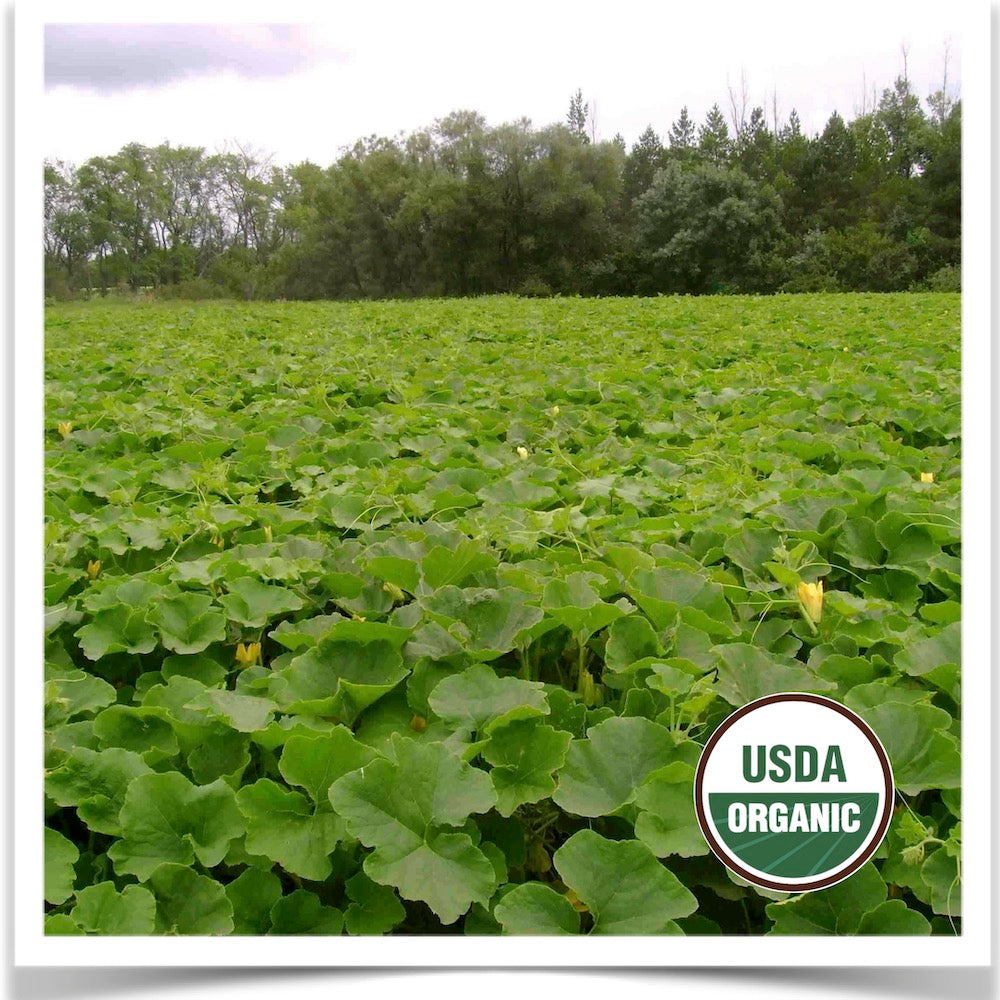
(713, 138)
(645, 158)
(682, 132)
(755, 146)
(576, 117)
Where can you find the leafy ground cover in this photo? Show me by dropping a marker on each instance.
(413, 617)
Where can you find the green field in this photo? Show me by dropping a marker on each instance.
(509, 563)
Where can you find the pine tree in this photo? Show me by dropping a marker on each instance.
(576, 117)
(755, 145)
(682, 133)
(713, 138)
(645, 158)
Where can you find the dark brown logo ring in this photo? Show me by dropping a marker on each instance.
(832, 879)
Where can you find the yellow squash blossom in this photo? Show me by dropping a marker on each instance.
(93, 568)
(811, 599)
(555, 411)
(247, 653)
(522, 452)
(927, 477)
(65, 428)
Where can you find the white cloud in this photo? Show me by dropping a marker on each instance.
(118, 57)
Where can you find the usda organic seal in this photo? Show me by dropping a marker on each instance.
(793, 792)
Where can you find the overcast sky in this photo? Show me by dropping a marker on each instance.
(304, 91)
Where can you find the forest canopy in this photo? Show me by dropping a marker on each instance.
(741, 202)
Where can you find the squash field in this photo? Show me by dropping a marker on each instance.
(413, 617)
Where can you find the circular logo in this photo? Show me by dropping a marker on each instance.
(793, 792)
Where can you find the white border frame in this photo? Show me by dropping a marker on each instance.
(32, 948)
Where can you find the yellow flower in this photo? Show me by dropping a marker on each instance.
(218, 541)
(268, 533)
(927, 477)
(811, 599)
(555, 411)
(522, 452)
(93, 568)
(65, 428)
(394, 592)
(247, 654)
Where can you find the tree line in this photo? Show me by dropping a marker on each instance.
(737, 203)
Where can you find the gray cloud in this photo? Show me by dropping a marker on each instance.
(116, 57)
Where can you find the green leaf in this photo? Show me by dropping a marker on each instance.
(623, 885)
(177, 702)
(671, 593)
(524, 756)
(478, 700)
(187, 623)
(859, 545)
(671, 679)
(374, 908)
(278, 733)
(487, 622)
(399, 807)
(137, 729)
(445, 566)
(535, 908)
(445, 870)
(252, 603)
(189, 903)
(908, 544)
(630, 639)
(574, 603)
(338, 677)
(837, 910)
(747, 672)
(603, 772)
(316, 762)
(668, 824)
(281, 826)
(307, 632)
(922, 754)
(752, 547)
(102, 909)
(223, 754)
(941, 875)
(166, 818)
(95, 782)
(60, 856)
(118, 629)
(938, 658)
(893, 917)
(244, 713)
(62, 924)
(74, 694)
(302, 912)
(252, 895)
(200, 668)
